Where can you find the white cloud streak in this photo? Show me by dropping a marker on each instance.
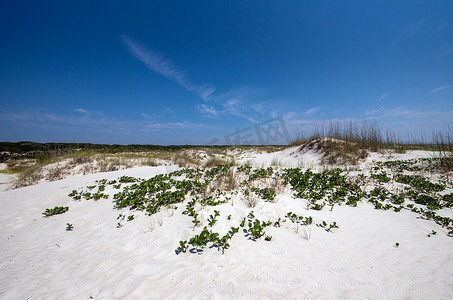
(444, 52)
(312, 110)
(382, 96)
(86, 121)
(412, 29)
(402, 112)
(236, 108)
(409, 31)
(210, 111)
(83, 111)
(373, 112)
(146, 116)
(235, 102)
(39, 118)
(172, 125)
(157, 63)
(440, 88)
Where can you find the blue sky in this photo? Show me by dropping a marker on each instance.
(196, 72)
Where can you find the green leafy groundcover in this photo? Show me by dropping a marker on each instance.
(327, 188)
(55, 211)
(420, 183)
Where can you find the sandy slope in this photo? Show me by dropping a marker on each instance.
(6, 181)
(41, 260)
(292, 157)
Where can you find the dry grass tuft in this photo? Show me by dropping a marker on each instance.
(214, 161)
(153, 162)
(228, 181)
(106, 165)
(88, 169)
(336, 151)
(276, 162)
(251, 199)
(184, 160)
(30, 177)
(443, 140)
(20, 164)
(277, 185)
(80, 160)
(56, 173)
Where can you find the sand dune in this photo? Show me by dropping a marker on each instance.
(41, 260)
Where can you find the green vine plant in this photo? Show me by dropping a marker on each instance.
(432, 233)
(201, 240)
(327, 227)
(55, 211)
(202, 188)
(212, 219)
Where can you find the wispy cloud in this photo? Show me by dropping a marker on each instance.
(312, 110)
(444, 51)
(442, 26)
(236, 102)
(382, 96)
(374, 112)
(392, 117)
(409, 31)
(210, 111)
(413, 29)
(245, 92)
(239, 102)
(157, 63)
(236, 107)
(73, 122)
(48, 119)
(83, 111)
(402, 112)
(301, 117)
(245, 102)
(300, 122)
(88, 112)
(147, 116)
(441, 88)
(172, 125)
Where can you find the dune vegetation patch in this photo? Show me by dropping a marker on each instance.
(338, 144)
(55, 211)
(207, 193)
(34, 162)
(343, 143)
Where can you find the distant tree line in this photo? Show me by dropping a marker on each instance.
(27, 149)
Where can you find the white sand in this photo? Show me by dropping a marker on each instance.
(6, 181)
(41, 260)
